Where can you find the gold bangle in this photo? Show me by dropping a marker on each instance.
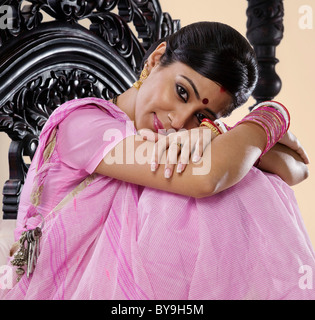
(210, 126)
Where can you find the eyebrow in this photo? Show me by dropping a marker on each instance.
(198, 95)
(193, 86)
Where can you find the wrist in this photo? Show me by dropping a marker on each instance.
(273, 118)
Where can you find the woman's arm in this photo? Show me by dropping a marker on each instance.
(226, 161)
(288, 159)
(286, 163)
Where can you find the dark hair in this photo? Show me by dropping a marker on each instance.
(217, 52)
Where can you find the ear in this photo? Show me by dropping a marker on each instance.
(155, 56)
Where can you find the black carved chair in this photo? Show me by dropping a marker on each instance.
(43, 64)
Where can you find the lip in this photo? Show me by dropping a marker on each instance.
(158, 126)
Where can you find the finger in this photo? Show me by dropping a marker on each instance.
(184, 157)
(200, 145)
(301, 151)
(195, 153)
(171, 160)
(158, 150)
(172, 154)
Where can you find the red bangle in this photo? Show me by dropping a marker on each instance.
(211, 122)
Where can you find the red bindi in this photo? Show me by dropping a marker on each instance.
(205, 101)
(222, 89)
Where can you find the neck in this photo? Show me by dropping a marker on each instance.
(126, 102)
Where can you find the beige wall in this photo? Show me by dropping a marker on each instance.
(296, 68)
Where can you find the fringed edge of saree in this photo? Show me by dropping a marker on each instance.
(25, 251)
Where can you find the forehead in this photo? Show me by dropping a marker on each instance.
(219, 99)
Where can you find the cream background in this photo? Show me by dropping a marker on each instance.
(296, 69)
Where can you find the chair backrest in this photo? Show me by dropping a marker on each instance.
(84, 48)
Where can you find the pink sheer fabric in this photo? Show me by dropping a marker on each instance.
(114, 240)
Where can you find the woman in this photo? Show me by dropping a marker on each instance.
(116, 227)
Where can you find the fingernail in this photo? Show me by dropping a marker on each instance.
(179, 168)
(167, 173)
(153, 166)
(196, 158)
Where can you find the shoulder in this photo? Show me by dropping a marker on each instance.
(90, 115)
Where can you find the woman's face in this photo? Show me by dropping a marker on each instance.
(176, 97)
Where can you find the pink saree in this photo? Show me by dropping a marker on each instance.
(107, 239)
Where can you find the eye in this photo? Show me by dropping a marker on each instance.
(182, 93)
(200, 116)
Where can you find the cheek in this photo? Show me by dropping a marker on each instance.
(144, 108)
(158, 91)
(146, 95)
(155, 101)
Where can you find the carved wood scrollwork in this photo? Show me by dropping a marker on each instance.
(44, 64)
(265, 32)
(146, 15)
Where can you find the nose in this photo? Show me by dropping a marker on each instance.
(178, 119)
(176, 123)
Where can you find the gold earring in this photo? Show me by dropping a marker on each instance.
(144, 74)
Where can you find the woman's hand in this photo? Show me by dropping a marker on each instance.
(287, 159)
(181, 146)
(291, 141)
(214, 173)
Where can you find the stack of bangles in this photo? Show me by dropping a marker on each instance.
(272, 116)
